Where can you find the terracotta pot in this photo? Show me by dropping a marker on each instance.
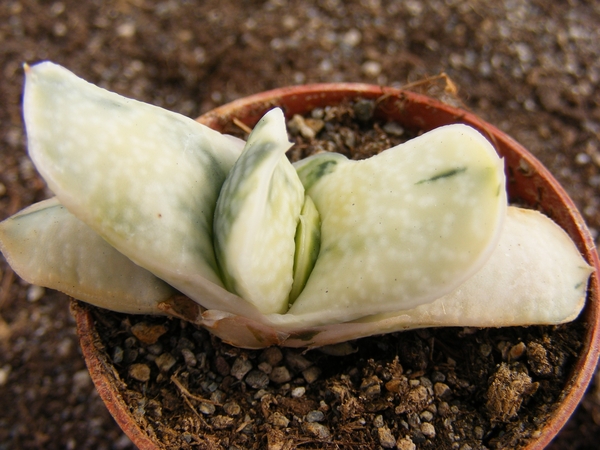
(529, 182)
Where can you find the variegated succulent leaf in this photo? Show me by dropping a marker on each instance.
(48, 246)
(312, 169)
(256, 218)
(145, 179)
(404, 227)
(535, 275)
(308, 244)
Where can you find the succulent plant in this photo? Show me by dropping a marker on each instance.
(157, 214)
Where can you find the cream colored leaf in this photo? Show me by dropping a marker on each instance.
(48, 246)
(404, 227)
(535, 276)
(145, 179)
(256, 218)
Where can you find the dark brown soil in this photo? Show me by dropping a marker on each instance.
(433, 388)
(530, 67)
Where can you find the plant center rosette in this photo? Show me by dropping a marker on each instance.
(157, 214)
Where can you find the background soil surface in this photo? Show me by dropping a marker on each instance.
(531, 68)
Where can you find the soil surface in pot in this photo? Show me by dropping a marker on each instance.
(442, 388)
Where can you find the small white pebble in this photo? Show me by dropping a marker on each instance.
(57, 8)
(140, 372)
(378, 421)
(299, 78)
(26, 168)
(427, 416)
(325, 66)
(589, 210)
(441, 390)
(280, 375)
(318, 430)
(428, 430)
(63, 348)
(352, 37)
(189, 357)
(207, 408)
(279, 420)
(260, 394)
(311, 374)
(315, 416)
(265, 367)
(59, 29)
(277, 44)
(582, 158)
(405, 443)
(371, 68)
(289, 22)
(240, 368)
(4, 373)
(478, 431)
(456, 60)
(393, 128)
(297, 124)
(81, 380)
(34, 293)
(529, 104)
(232, 409)
(386, 438)
(126, 30)
(298, 392)
(165, 362)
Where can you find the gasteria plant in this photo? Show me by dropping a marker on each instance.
(150, 204)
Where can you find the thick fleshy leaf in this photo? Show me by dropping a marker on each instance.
(144, 178)
(308, 243)
(535, 275)
(48, 246)
(312, 169)
(404, 227)
(256, 218)
(410, 238)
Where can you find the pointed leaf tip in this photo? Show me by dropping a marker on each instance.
(256, 218)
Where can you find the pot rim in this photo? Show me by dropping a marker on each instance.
(302, 98)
